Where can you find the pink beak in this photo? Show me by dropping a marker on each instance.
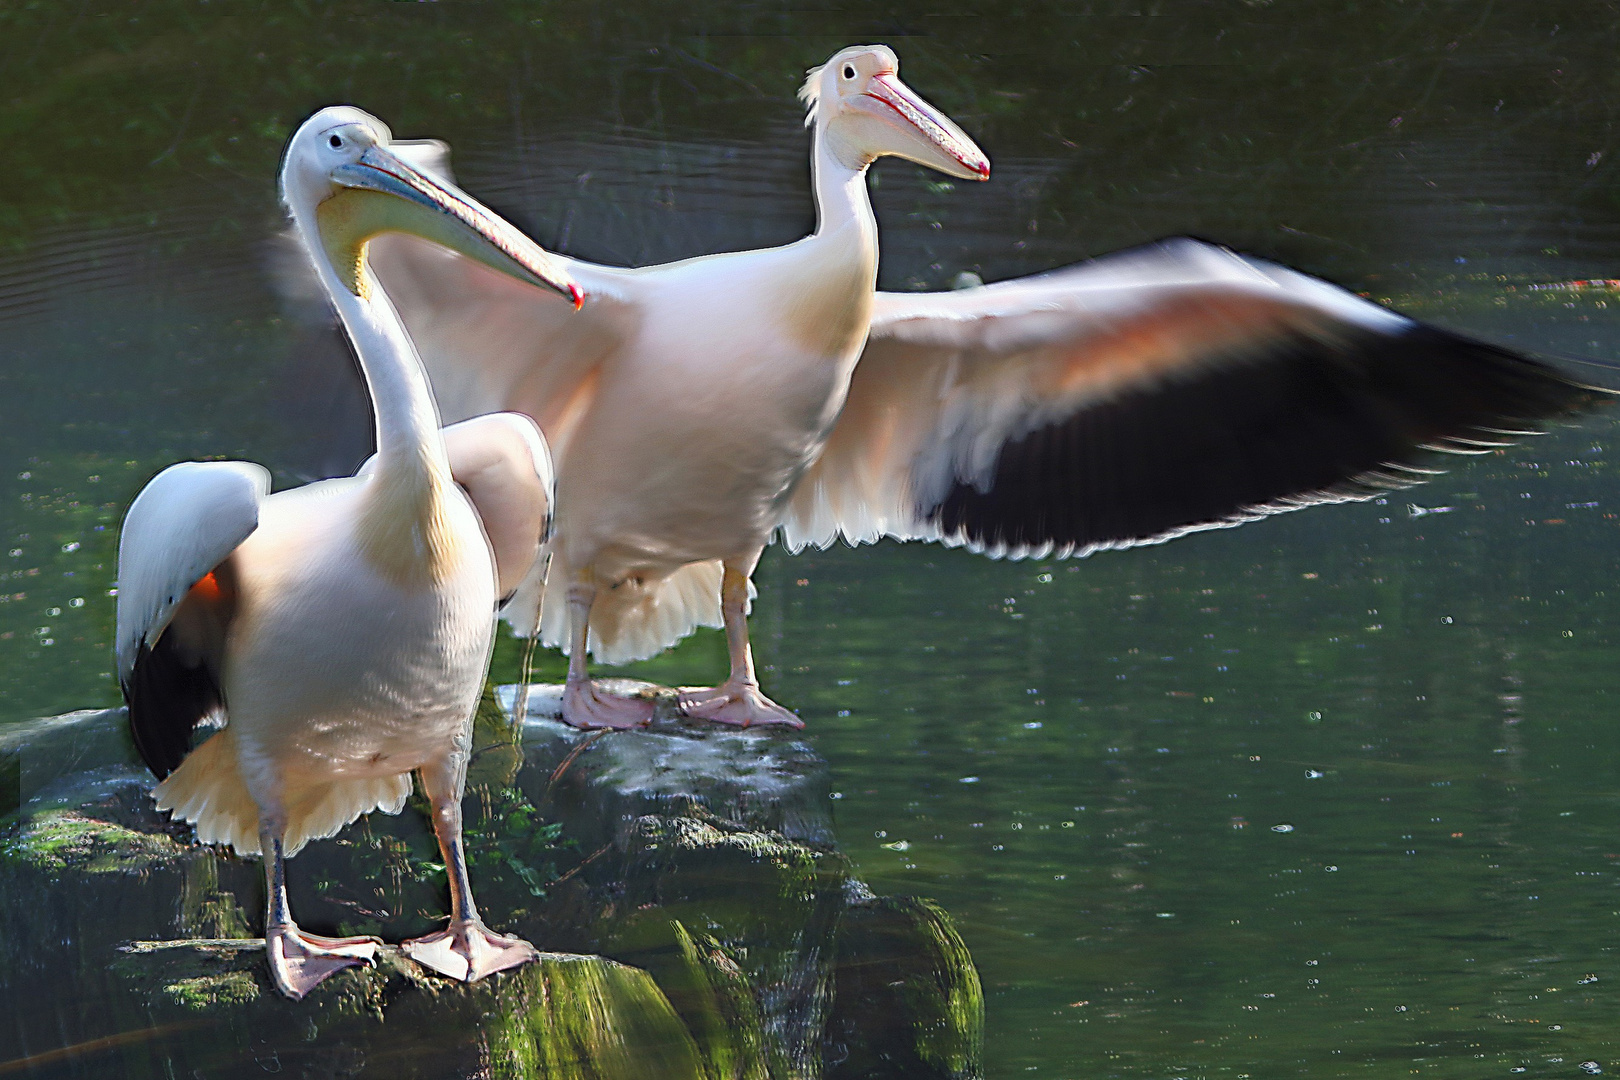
(929, 122)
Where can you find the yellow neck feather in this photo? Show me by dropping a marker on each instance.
(827, 299)
(404, 530)
(346, 221)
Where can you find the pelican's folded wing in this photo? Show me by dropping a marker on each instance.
(502, 462)
(1148, 394)
(183, 526)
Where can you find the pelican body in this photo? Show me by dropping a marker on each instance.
(340, 630)
(683, 419)
(698, 409)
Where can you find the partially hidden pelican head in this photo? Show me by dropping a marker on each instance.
(340, 178)
(866, 112)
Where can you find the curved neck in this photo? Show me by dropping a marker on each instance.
(407, 418)
(838, 178)
(402, 528)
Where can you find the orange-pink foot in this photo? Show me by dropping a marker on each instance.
(299, 961)
(586, 707)
(469, 951)
(736, 703)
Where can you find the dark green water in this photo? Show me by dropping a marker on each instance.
(1335, 794)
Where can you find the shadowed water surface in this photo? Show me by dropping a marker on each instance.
(1334, 794)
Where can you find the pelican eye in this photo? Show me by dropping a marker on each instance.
(336, 141)
(849, 71)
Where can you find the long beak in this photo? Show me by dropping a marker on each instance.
(380, 193)
(939, 130)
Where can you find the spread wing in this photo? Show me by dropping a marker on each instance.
(176, 589)
(491, 343)
(1145, 395)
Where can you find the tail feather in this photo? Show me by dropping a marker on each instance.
(633, 622)
(325, 810)
(207, 791)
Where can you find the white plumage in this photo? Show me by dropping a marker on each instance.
(184, 522)
(340, 630)
(686, 402)
(701, 407)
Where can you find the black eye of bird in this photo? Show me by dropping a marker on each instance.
(337, 143)
(849, 71)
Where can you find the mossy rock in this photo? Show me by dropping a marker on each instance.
(766, 897)
(202, 992)
(75, 881)
(767, 906)
(561, 1018)
(736, 949)
(907, 1002)
(589, 1018)
(54, 841)
(713, 996)
(717, 1002)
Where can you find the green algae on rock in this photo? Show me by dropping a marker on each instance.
(735, 943)
(591, 1018)
(719, 1008)
(56, 840)
(907, 1001)
(562, 1017)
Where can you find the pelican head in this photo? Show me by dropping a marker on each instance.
(866, 112)
(343, 184)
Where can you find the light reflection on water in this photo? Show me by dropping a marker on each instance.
(1087, 764)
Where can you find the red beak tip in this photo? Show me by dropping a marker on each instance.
(577, 295)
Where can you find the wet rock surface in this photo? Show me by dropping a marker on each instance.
(705, 922)
(761, 778)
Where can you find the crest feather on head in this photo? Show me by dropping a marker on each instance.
(810, 93)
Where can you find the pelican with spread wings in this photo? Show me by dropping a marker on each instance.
(701, 408)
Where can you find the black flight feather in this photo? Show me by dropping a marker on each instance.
(174, 684)
(169, 694)
(1296, 421)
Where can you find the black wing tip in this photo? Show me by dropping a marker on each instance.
(1546, 392)
(167, 699)
(1301, 422)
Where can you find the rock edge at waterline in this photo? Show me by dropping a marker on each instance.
(706, 923)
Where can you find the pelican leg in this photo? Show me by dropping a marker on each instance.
(584, 705)
(466, 949)
(299, 961)
(738, 700)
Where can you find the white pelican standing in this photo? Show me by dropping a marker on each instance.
(700, 407)
(342, 629)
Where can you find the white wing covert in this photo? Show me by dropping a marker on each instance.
(502, 462)
(181, 529)
(185, 522)
(1144, 395)
(490, 343)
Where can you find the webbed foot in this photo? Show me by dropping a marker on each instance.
(737, 703)
(299, 962)
(469, 951)
(586, 707)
